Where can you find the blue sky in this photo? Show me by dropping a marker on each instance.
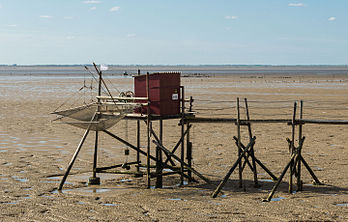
(275, 32)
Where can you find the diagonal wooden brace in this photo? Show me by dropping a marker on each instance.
(140, 151)
(182, 162)
(262, 165)
(223, 182)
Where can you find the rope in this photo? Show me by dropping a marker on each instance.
(66, 101)
(112, 85)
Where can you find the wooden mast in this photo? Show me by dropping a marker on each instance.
(94, 180)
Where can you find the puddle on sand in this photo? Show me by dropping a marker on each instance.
(7, 164)
(184, 183)
(167, 170)
(54, 181)
(95, 190)
(110, 204)
(174, 199)
(3, 151)
(266, 180)
(318, 169)
(55, 191)
(53, 178)
(342, 204)
(23, 180)
(126, 180)
(27, 197)
(10, 203)
(278, 199)
(214, 203)
(48, 197)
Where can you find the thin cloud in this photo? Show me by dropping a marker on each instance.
(331, 19)
(232, 17)
(68, 17)
(12, 25)
(0, 6)
(131, 35)
(70, 37)
(93, 8)
(92, 2)
(115, 8)
(296, 4)
(45, 16)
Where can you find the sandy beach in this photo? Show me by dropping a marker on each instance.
(34, 153)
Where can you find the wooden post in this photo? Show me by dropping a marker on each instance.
(182, 135)
(240, 170)
(292, 146)
(189, 150)
(94, 180)
(256, 184)
(299, 182)
(159, 167)
(95, 155)
(148, 121)
(138, 145)
(191, 104)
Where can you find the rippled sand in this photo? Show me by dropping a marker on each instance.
(34, 152)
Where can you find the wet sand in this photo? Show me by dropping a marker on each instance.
(34, 153)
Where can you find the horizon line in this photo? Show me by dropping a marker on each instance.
(192, 65)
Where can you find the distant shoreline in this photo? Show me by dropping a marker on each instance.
(195, 71)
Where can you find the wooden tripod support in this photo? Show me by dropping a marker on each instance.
(244, 152)
(294, 165)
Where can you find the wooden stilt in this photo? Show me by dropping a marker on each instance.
(148, 121)
(159, 167)
(223, 182)
(292, 147)
(189, 150)
(95, 154)
(138, 145)
(182, 135)
(256, 184)
(94, 180)
(240, 170)
(299, 182)
(138, 139)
